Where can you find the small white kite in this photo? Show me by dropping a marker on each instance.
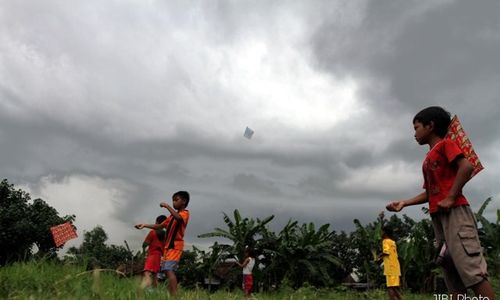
(248, 133)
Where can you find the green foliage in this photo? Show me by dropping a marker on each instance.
(416, 256)
(298, 254)
(366, 241)
(489, 233)
(189, 274)
(305, 255)
(343, 250)
(43, 217)
(25, 223)
(302, 254)
(15, 236)
(415, 250)
(243, 232)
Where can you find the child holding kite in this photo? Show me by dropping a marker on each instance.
(446, 170)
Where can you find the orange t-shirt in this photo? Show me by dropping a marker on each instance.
(440, 173)
(175, 233)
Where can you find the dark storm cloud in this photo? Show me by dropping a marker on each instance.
(414, 54)
(444, 55)
(130, 99)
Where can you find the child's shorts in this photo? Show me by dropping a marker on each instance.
(457, 227)
(169, 265)
(392, 281)
(247, 282)
(171, 260)
(152, 263)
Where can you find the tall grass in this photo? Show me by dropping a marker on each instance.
(48, 280)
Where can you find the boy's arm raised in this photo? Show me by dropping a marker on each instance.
(172, 211)
(399, 205)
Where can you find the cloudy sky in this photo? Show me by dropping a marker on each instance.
(107, 108)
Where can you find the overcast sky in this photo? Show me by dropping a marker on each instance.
(109, 107)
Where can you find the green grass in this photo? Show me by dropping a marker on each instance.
(45, 280)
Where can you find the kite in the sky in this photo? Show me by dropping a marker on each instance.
(456, 133)
(63, 233)
(248, 133)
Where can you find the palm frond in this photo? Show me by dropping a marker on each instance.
(483, 207)
(228, 221)
(217, 233)
(237, 216)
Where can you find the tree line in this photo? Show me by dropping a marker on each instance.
(296, 255)
(25, 224)
(304, 254)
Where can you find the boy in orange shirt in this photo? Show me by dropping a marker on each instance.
(175, 226)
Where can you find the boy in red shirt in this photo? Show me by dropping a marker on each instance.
(445, 172)
(175, 226)
(154, 241)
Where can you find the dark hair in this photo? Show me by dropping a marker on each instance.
(250, 251)
(160, 219)
(438, 116)
(388, 231)
(160, 233)
(183, 195)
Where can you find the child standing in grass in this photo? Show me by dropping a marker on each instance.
(247, 265)
(446, 171)
(154, 241)
(392, 270)
(175, 226)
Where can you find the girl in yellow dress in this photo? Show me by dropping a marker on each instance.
(392, 270)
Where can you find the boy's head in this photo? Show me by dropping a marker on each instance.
(435, 116)
(249, 252)
(160, 219)
(180, 199)
(387, 232)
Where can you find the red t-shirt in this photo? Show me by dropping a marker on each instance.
(155, 246)
(440, 173)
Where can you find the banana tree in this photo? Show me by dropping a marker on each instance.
(416, 254)
(366, 240)
(489, 234)
(242, 232)
(303, 254)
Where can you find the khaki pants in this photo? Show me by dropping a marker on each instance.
(457, 228)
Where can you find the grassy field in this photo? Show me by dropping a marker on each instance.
(43, 280)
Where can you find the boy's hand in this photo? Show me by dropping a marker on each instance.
(446, 203)
(164, 204)
(139, 226)
(395, 206)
